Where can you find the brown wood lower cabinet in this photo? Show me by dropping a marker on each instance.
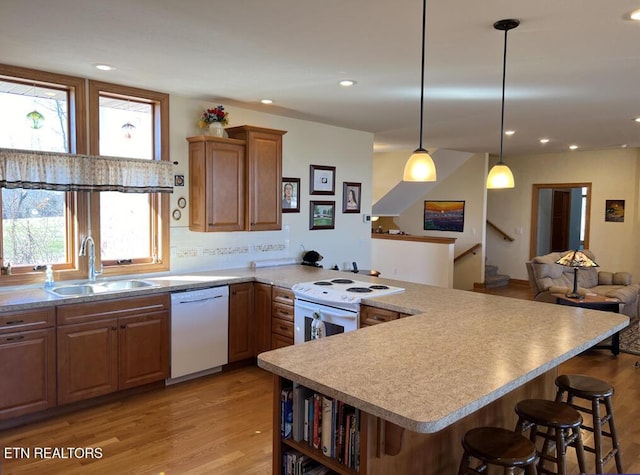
(241, 322)
(27, 362)
(374, 315)
(262, 316)
(282, 325)
(111, 345)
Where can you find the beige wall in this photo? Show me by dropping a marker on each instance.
(614, 174)
(305, 143)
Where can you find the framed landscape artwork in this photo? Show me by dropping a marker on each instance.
(444, 216)
(614, 211)
(322, 214)
(291, 195)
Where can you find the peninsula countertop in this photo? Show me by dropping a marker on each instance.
(462, 351)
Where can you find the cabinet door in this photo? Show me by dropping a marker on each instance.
(264, 159)
(87, 360)
(373, 315)
(27, 372)
(217, 186)
(262, 316)
(241, 329)
(143, 346)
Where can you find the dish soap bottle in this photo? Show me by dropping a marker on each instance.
(318, 329)
(48, 277)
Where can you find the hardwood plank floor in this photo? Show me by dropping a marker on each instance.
(222, 424)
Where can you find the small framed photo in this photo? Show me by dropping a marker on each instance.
(291, 195)
(614, 211)
(351, 197)
(322, 180)
(322, 214)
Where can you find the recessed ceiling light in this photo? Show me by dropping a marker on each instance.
(637, 119)
(573, 147)
(104, 67)
(635, 15)
(348, 83)
(509, 132)
(266, 101)
(544, 140)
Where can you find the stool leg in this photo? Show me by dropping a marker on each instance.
(559, 395)
(597, 433)
(614, 435)
(465, 462)
(531, 469)
(561, 450)
(580, 451)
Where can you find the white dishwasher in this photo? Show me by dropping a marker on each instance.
(199, 332)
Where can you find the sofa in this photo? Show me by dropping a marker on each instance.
(547, 277)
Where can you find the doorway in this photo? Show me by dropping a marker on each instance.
(559, 217)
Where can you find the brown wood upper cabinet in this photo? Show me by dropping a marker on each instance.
(216, 184)
(235, 183)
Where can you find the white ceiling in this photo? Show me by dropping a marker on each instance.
(572, 74)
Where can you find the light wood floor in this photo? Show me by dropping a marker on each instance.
(221, 424)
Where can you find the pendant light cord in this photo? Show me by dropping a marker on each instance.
(424, 28)
(504, 76)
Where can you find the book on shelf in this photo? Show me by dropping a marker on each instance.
(286, 412)
(317, 418)
(327, 425)
(300, 393)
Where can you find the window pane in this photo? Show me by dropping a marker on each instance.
(124, 225)
(126, 130)
(34, 222)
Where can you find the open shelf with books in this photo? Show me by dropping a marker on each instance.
(317, 434)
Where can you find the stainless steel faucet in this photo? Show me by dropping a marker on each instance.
(91, 256)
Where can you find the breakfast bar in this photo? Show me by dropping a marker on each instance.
(420, 382)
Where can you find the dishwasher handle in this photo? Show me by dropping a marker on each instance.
(206, 299)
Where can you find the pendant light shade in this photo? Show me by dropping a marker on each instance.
(420, 166)
(500, 175)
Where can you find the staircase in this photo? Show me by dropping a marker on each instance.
(492, 279)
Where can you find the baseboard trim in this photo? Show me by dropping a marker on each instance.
(519, 282)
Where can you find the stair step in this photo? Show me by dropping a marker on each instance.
(490, 269)
(497, 280)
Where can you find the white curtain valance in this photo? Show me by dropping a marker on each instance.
(72, 172)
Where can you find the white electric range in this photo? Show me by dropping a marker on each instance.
(337, 301)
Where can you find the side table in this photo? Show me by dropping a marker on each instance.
(595, 302)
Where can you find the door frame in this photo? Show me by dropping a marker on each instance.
(536, 187)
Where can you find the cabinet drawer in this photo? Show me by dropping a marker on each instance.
(116, 307)
(372, 315)
(279, 341)
(282, 327)
(282, 295)
(282, 311)
(32, 319)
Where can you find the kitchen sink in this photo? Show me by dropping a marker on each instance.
(101, 287)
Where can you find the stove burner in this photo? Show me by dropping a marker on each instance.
(378, 287)
(359, 290)
(342, 281)
(322, 282)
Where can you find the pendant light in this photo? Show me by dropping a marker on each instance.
(500, 175)
(420, 166)
(35, 119)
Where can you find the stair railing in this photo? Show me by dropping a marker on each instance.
(471, 250)
(505, 236)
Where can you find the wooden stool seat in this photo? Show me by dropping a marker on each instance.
(562, 424)
(597, 392)
(497, 446)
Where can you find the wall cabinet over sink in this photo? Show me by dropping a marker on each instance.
(235, 183)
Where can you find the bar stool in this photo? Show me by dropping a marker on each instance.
(562, 423)
(597, 392)
(497, 446)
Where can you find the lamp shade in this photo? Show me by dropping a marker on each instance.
(500, 176)
(419, 167)
(576, 259)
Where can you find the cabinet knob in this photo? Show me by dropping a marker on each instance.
(15, 338)
(114, 328)
(123, 327)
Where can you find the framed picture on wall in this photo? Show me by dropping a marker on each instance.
(351, 197)
(322, 214)
(444, 216)
(290, 195)
(614, 211)
(322, 180)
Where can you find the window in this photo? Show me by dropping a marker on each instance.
(38, 112)
(133, 229)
